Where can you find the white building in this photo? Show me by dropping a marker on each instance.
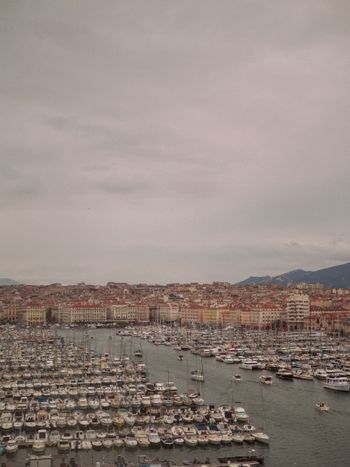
(129, 313)
(298, 308)
(263, 317)
(83, 313)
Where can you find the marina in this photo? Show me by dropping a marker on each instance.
(94, 399)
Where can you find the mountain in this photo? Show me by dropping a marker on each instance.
(6, 281)
(335, 276)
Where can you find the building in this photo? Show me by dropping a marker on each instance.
(298, 308)
(83, 313)
(263, 318)
(34, 316)
(191, 315)
(12, 313)
(231, 317)
(129, 313)
(164, 312)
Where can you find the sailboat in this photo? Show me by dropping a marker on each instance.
(138, 352)
(259, 435)
(198, 375)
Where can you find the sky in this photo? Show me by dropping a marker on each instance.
(173, 141)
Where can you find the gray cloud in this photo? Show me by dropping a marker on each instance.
(160, 140)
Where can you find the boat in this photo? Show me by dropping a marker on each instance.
(154, 438)
(249, 364)
(285, 374)
(337, 383)
(261, 437)
(198, 375)
(265, 379)
(38, 446)
(237, 378)
(138, 353)
(63, 445)
(241, 415)
(322, 407)
(243, 461)
(11, 447)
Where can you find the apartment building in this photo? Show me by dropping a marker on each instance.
(33, 315)
(298, 308)
(264, 317)
(191, 315)
(83, 313)
(129, 313)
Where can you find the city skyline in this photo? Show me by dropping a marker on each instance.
(173, 142)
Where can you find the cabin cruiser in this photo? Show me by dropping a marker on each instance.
(249, 364)
(337, 383)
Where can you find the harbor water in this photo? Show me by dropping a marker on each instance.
(299, 434)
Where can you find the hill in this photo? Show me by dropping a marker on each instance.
(335, 276)
(6, 281)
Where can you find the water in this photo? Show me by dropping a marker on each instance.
(299, 434)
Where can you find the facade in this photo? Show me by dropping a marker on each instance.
(246, 318)
(191, 315)
(265, 317)
(83, 314)
(34, 316)
(164, 312)
(231, 317)
(12, 313)
(129, 313)
(298, 308)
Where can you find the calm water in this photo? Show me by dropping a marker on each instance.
(300, 435)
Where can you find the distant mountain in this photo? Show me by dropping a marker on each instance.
(336, 276)
(6, 281)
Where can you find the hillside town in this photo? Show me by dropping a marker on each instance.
(220, 304)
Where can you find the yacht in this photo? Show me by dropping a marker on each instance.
(249, 364)
(337, 383)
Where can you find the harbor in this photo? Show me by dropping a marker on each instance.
(122, 391)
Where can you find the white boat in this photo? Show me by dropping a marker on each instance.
(241, 415)
(154, 438)
(265, 379)
(237, 378)
(11, 447)
(197, 375)
(261, 437)
(321, 374)
(322, 407)
(337, 383)
(38, 446)
(130, 442)
(238, 438)
(248, 364)
(63, 445)
(228, 359)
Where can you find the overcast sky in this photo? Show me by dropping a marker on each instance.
(160, 141)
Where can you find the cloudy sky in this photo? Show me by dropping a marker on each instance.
(161, 141)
